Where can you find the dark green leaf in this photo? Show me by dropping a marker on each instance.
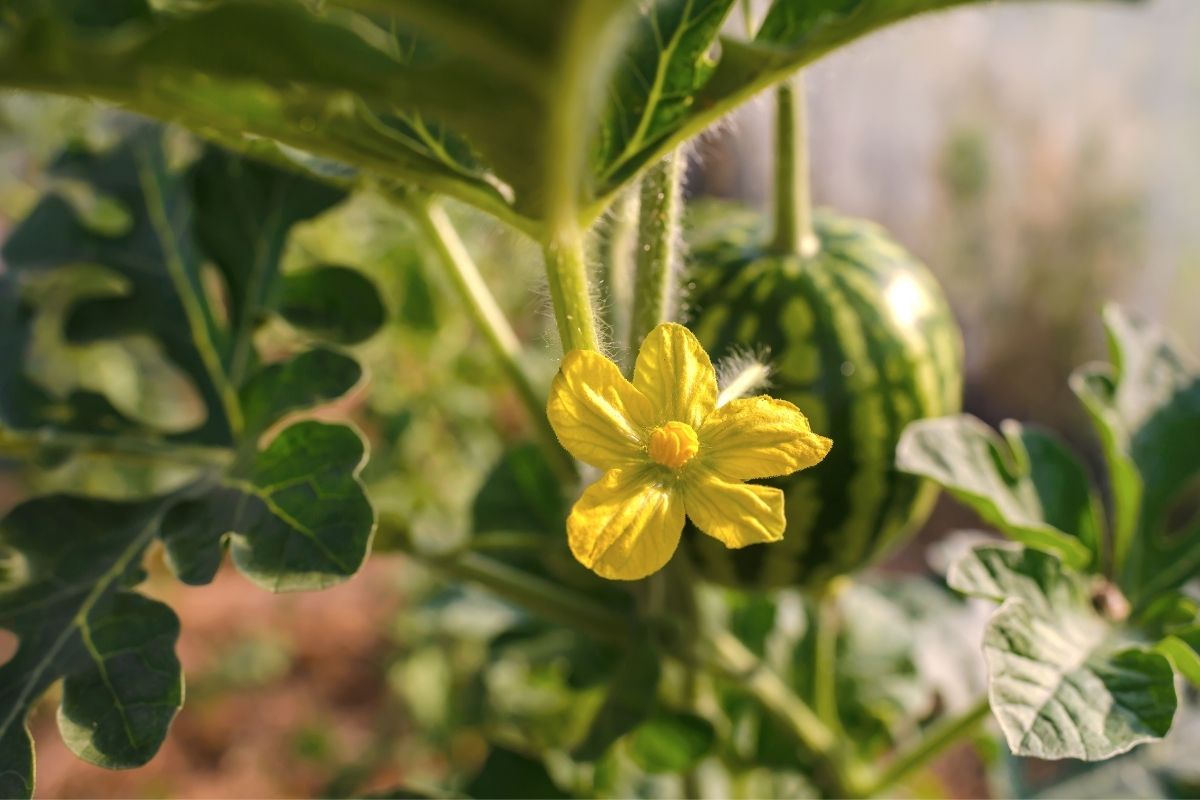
(244, 211)
(116, 712)
(1028, 484)
(297, 516)
(65, 601)
(509, 775)
(521, 493)
(338, 304)
(118, 350)
(630, 700)
(307, 380)
(671, 742)
(16, 762)
(1143, 406)
(1062, 683)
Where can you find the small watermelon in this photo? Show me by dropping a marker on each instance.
(860, 337)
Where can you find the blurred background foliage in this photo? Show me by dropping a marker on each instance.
(1041, 161)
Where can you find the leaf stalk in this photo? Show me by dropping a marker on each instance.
(939, 737)
(437, 228)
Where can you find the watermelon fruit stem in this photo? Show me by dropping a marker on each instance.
(658, 246)
(794, 233)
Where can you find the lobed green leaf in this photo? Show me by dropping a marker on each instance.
(109, 323)
(1063, 681)
(297, 516)
(65, 598)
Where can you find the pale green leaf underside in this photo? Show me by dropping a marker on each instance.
(1057, 694)
(1042, 498)
(1061, 683)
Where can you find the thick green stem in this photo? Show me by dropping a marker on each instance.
(566, 276)
(618, 241)
(587, 45)
(481, 305)
(657, 250)
(793, 198)
(937, 739)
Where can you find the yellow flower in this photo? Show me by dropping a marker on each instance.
(668, 450)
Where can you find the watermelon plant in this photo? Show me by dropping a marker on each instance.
(673, 539)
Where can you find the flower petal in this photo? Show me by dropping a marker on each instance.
(626, 525)
(675, 373)
(759, 437)
(736, 514)
(596, 413)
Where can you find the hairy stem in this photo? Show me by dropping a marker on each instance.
(793, 198)
(657, 250)
(566, 276)
(938, 738)
(618, 241)
(586, 52)
(481, 305)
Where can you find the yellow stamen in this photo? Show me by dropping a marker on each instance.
(673, 444)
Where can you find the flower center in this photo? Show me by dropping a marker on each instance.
(673, 444)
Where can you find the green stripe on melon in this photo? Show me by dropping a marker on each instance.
(861, 339)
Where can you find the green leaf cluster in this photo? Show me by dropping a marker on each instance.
(1095, 620)
(515, 106)
(130, 313)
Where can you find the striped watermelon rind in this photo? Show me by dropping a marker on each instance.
(861, 338)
